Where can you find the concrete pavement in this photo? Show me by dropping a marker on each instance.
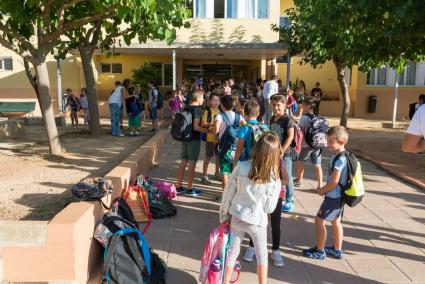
(384, 236)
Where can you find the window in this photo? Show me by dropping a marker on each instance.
(377, 77)
(6, 64)
(193, 71)
(408, 77)
(164, 74)
(247, 9)
(111, 68)
(284, 21)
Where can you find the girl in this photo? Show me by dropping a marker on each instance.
(175, 105)
(85, 106)
(74, 103)
(252, 192)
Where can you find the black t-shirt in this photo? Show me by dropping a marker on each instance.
(281, 126)
(316, 93)
(197, 114)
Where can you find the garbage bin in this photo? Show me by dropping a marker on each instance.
(372, 104)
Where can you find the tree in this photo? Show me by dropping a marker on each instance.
(32, 28)
(144, 74)
(368, 34)
(139, 19)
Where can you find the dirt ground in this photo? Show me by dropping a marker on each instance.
(35, 187)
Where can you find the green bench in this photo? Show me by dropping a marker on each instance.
(26, 107)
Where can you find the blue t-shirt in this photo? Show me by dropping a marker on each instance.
(245, 133)
(340, 165)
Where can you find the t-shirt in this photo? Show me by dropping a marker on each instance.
(281, 127)
(245, 133)
(116, 97)
(197, 114)
(231, 115)
(304, 124)
(316, 93)
(341, 166)
(210, 137)
(153, 95)
(417, 125)
(270, 88)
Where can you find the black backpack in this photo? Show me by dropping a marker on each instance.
(158, 270)
(161, 207)
(316, 133)
(228, 140)
(412, 110)
(182, 126)
(159, 101)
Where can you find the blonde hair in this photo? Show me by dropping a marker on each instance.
(196, 95)
(340, 133)
(265, 158)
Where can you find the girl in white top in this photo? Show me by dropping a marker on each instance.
(251, 193)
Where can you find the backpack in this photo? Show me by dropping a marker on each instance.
(137, 199)
(228, 140)
(256, 131)
(158, 268)
(92, 189)
(294, 107)
(135, 108)
(127, 258)
(296, 144)
(316, 132)
(412, 110)
(352, 191)
(167, 189)
(182, 126)
(159, 100)
(216, 249)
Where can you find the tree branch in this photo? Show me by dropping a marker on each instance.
(110, 36)
(46, 9)
(31, 78)
(60, 12)
(15, 35)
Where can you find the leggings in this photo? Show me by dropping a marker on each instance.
(275, 218)
(238, 228)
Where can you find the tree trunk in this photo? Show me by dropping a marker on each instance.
(45, 100)
(340, 70)
(86, 57)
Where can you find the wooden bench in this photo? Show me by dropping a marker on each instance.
(25, 107)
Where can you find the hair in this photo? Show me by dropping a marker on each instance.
(212, 95)
(276, 98)
(340, 133)
(152, 82)
(274, 77)
(117, 83)
(196, 95)
(317, 83)
(310, 101)
(126, 83)
(69, 90)
(227, 102)
(130, 91)
(422, 98)
(265, 158)
(251, 109)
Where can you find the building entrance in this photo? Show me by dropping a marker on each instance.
(216, 71)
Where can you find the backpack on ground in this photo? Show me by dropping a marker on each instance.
(137, 199)
(316, 133)
(167, 189)
(127, 258)
(92, 189)
(213, 261)
(182, 126)
(158, 270)
(228, 141)
(352, 191)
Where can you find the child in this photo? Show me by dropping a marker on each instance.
(251, 194)
(74, 103)
(240, 106)
(190, 149)
(85, 106)
(284, 126)
(175, 105)
(315, 155)
(220, 127)
(332, 206)
(152, 105)
(211, 145)
(132, 104)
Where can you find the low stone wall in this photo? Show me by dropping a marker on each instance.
(70, 253)
(12, 128)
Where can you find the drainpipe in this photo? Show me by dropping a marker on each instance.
(174, 70)
(59, 83)
(288, 72)
(395, 99)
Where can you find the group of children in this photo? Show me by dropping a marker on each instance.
(77, 104)
(256, 173)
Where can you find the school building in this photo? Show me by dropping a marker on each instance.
(227, 38)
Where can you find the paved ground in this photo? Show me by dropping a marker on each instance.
(384, 236)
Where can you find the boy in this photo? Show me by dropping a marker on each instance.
(220, 126)
(152, 104)
(317, 93)
(315, 155)
(132, 104)
(190, 149)
(284, 126)
(332, 206)
(211, 144)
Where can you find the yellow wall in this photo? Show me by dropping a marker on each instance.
(284, 5)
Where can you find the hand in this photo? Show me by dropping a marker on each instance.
(321, 192)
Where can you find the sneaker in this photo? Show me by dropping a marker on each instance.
(152, 130)
(132, 133)
(314, 253)
(288, 206)
(137, 133)
(121, 135)
(298, 183)
(180, 190)
(335, 253)
(193, 192)
(249, 255)
(205, 180)
(277, 258)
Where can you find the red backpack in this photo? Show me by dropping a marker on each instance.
(296, 144)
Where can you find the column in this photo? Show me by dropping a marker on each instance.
(174, 70)
(59, 84)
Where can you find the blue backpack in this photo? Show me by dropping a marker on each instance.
(159, 100)
(228, 141)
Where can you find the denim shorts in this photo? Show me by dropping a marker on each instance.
(315, 155)
(330, 209)
(153, 113)
(190, 150)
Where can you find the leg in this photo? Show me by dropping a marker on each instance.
(338, 233)
(206, 164)
(321, 233)
(236, 235)
(290, 185)
(300, 170)
(275, 219)
(72, 118)
(259, 238)
(180, 173)
(191, 174)
(193, 154)
(319, 175)
(225, 179)
(316, 160)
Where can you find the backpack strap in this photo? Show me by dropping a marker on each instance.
(107, 256)
(136, 253)
(310, 115)
(237, 121)
(209, 115)
(226, 119)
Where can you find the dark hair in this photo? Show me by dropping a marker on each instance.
(130, 90)
(117, 83)
(212, 95)
(274, 77)
(227, 102)
(242, 102)
(278, 99)
(310, 101)
(251, 108)
(152, 82)
(422, 97)
(69, 90)
(126, 83)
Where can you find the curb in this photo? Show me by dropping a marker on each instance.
(382, 166)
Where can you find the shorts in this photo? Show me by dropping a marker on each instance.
(226, 168)
(210, 149)
(331, 209)
(134, 121)
(315, 155)
(190, 150)
(153, 113)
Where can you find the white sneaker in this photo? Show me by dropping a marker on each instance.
(249, 255)
(137, 133)
(131, 133)
(277, 258)
(121, 135)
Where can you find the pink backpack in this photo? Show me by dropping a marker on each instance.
(215, 253)
(298, 140)
(168, 190)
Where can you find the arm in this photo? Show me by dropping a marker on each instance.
(413, 143)
(122, 94)
(197, 127)
(228, 194)
(288, 140)
(272, 197)
(238, 152)
(283, 174)
(336, 174)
